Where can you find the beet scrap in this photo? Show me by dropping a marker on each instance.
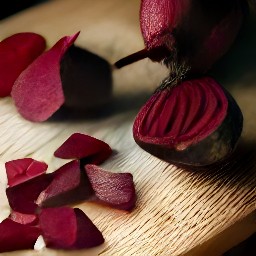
(15, 236)
(115, 189)
(21, 170)
(82, 146)
(22, 218)
(38, 93)
(69, 186)
(68, 228)
(17, 52)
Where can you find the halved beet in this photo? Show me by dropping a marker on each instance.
(16, 53)
(15, 236)
(69, 186)
(22, 197)
(196, 122)
(21, 170)
(22, 218)
(114, 189)
(38, 91)
(82, 146)
(67, 228)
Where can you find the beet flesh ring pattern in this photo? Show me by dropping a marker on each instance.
(195, 123)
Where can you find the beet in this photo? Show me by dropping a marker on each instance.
(114, 189)
(15, 236)
(195, 123)
(21, 170)
(69, 229)
(82, 146)
(17, 52)
(38, 93)
(22, 218)
(68, 186)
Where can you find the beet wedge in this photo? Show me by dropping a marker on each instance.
(15, 236)
(68, 228)
(82, 146)
(17, 52)
(68, 186)
(22, 218)
(38, 92)
(21, 170)
(114, 189)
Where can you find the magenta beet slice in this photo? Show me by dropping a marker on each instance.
(22, 218)
(194, 123)
(22, 197)
(21, 170)
(69, 229)
(82, 146)
(114, 189)
(16, 53)
(38, 91)
(68, 186)
(15, 236)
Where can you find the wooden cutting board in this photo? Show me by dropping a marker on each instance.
(179, 212)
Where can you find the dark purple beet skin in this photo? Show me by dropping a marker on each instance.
(114, 189)
(194, 123)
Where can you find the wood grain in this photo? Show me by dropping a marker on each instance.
(178, 212)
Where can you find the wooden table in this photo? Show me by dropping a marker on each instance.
(178, 212)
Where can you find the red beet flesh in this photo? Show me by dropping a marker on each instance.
(15, 236)
(16, 53)
(194, 123)
(67, 228)
(22, 218)
(82, 146)
(38, 91)
(21, 170)
(114, 189)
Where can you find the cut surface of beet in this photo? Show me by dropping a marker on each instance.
(38, 92)
(21, 170)
(82, 146)
(68, 228)
(114, 189)
(68, 186)
(16, 53)
(15, 236)
(22, 218)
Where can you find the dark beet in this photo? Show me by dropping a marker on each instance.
(21, 170)
(17, 52)
(15, 236)
(194, 123)
(114, 189)
(82, 146)
(38, 91)
(67, 228)
(22, 218)
(69, 186)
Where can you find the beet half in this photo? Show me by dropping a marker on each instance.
(194, 123)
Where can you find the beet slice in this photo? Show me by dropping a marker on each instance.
(114, 189)
(69, 186)
(38, 91)
(67, 228)
(16, 53)
(22, 198)
(22, 218)
(82, 146)
(15, 236)
(21, 170)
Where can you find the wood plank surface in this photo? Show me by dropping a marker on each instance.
(178, 212)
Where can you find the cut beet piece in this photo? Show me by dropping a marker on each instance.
(196, 123)
(22, 218)
(115, 189)
(67, 228)
(82, 146)
(21, 170)
(69, 186)
(15, 236)
(38, 92)
(22, 198)
(16, 53)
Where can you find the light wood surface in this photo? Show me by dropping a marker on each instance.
(179, 212)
